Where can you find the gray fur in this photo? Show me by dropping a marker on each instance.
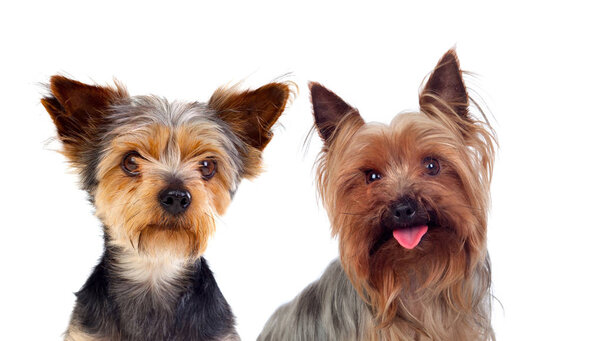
(141, 111)
(327, 310)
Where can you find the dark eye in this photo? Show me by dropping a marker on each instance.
(208, 168)
(432, 166)
(372, 175)
(130, 163)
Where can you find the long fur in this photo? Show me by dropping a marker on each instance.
(328, 309)
(440, 290)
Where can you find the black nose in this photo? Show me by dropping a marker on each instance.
(175, 200)
(404, 211)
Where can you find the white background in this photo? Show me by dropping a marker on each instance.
(538, 71)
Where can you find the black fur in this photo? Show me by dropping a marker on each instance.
(105, 309)
(114, 303)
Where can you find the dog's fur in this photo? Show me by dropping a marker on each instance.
(152, 282)
(440, 160)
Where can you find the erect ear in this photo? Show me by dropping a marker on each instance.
(251, 113)
(78, 109)
(329, 110)
(445, 89)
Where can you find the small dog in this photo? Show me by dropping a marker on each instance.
(409, 204)
(158, 173)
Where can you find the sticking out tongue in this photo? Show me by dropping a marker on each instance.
(410, 237)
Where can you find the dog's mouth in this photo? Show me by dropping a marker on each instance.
(406, 236)
(409, 237)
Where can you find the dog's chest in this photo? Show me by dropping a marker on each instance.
(147, 296)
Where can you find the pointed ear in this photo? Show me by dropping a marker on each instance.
(251, 113)
(329, 110)
(77, 109)
(445, 89)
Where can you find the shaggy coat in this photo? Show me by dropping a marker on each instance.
(408, 202)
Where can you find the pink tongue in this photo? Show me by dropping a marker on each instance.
(410, 237)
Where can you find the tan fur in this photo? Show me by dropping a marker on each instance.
(252, 114)
(128, 206)
(152, 273)
(78, 110)
(75, 334)
(440, 289)
(158, 174)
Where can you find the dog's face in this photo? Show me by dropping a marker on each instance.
(157, 172)
(408, 200)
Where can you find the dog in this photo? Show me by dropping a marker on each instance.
(408, 202)
(158, 173)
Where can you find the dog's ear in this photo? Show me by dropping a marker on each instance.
(329, 110)
(445, 90)
(78, 109)
(251, 113)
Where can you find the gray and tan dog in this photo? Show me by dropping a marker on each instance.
(409, 204)
(158, 174)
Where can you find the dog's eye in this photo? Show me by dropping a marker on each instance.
(208, 168)
(432, 166)
(372, 175)
(130, 163)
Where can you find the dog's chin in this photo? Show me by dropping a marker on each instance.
(173, 226)
(173, 223)
(170, 237)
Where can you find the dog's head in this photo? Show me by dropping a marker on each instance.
(159, 172)
(408, 200)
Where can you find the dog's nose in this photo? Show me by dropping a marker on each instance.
(404, 211)
(175, 200)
